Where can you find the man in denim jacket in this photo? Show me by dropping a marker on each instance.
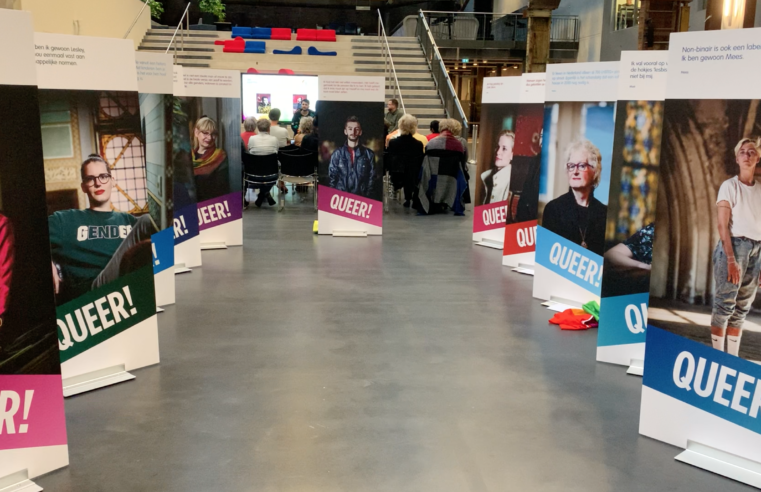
(352, 166)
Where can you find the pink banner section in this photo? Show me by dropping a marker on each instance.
(490, 217)
(31, 411)
(350, 206)
(220, 210)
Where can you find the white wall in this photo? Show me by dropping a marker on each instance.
(102, 18)
(590, 14)
(508, 6)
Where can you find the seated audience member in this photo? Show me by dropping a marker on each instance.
(301, 113)
(434, 130)
(457, 132)
(442, 186)
(263, 144)
(249, 130)
(277, 131)
(309, 138)
(406, 152)
(421, 138)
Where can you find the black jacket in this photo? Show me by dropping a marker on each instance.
(561, 216)
(406, 153)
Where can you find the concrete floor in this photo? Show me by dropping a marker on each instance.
(412, 362)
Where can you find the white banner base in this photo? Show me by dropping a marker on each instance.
(188, 253)
(135, 347)
(181, 268)
(549, 285)
(490, 235)
(622, 355)
(518, 260)
(328, 223)
(229, 234)
(205, 246)
(18, 482)
(349, 233)
(637, 367)
(164, 282)
(525, 269)
(95, 379)
(159, 310)
(32, 462)
(492, 243)
(721, 463)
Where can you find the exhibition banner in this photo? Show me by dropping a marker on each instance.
(494, 162)
(574, 179)
(520, 228)
(32, 419)
(631, 207)
(703, 328)
(101, 218)
(154, 82)
(350, 169)
(211, 102)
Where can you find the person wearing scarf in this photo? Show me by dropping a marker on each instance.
(210, 164)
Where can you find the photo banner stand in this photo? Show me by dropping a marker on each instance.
(726, 440)
(107, 65)
(349, 88)
(487, 231)
(154, 76)
(215, 231)
(619, 340)
(520, 238)
(187, 254)
(590, 82)
(19, 464)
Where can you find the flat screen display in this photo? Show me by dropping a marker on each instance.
(264, 92)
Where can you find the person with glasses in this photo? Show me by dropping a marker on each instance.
(737, 256)
(88, 246)
(577, 215)
(210, 164)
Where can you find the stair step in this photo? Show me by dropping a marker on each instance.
(196, 65)
(404, 56)
(163, 48)
(165, 40)
(192, 34)
(397, 63)
(396, 40)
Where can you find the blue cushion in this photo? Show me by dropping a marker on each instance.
(296, 50)
(261, 33)
(244, 32)
(254, 47)
(314, 51)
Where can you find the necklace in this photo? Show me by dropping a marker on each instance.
(583, 233)
(583, 237)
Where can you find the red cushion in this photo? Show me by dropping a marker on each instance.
(306, 35)
(220, 42)
(285, 71)
(234, 48)
(326, 35)
(281, 33)
(252, 70)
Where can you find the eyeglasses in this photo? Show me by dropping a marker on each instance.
(102, 179)
(581, 166)
(207, 134)
(748, 153)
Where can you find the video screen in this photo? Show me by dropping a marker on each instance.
(261, 93)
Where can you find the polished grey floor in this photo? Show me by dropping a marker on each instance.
(412, 362)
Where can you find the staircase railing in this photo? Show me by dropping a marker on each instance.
(182, 26)
(389, 69)
(440, 75)
(135, 21)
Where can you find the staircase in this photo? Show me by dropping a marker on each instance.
(356, 55)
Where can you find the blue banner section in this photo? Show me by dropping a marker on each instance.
(185, 223)
(569, 260)
(718, 383)
(623, 320)
(162, 244)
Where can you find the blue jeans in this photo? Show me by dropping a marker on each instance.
(732, 302)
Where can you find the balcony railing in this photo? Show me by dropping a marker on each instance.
(490, 26)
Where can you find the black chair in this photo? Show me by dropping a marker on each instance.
(299, 166)
(259, 171)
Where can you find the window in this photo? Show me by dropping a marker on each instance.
(55, 119)
(625, 14)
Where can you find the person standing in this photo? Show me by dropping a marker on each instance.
(302, 113)
(393, 115)
(737, 257)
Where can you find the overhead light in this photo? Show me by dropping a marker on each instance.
(515, 66)
(363, 7)
(475, 64)
(486, 61)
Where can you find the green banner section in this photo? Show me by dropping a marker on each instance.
(105, 312)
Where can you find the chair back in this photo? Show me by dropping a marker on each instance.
(297, 163)
(258, 166)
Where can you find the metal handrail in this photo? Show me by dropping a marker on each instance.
(397, 88)
(437, 57)
(145, 4)
(185, 18)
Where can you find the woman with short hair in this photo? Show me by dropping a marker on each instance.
(210, 164)
(249, 127)
(737, 257)
(406, 153)
(496, 179)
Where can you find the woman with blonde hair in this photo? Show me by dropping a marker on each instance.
(406, 156)
(210, 164)
(577, 215)
(496, 179)
(737, 257)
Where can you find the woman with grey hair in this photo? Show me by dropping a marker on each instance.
(249, 130)
(737, 257)
(577, 215)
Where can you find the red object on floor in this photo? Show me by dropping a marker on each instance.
(285, 71)
(326, 35)
(281, 33)
(574, 319)
(306, 34)
(252, 70)
(221, 42)
(237, 45)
